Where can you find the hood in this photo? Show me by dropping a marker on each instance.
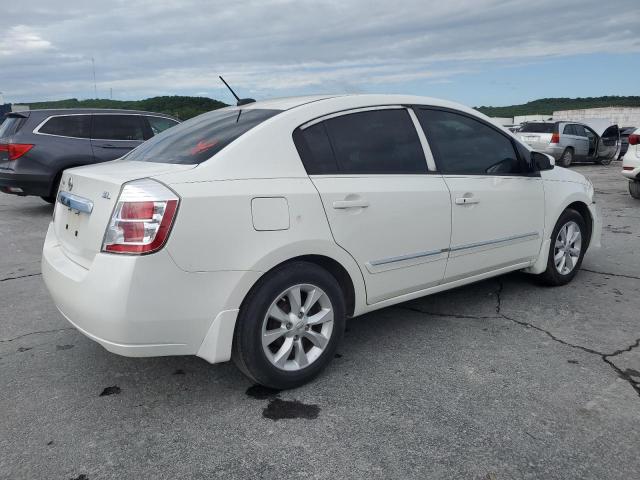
(599, 125)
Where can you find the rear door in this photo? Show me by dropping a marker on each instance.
(577, 138)
(497, 206)
(383, 205)
(114, 135)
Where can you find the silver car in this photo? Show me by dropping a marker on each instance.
(570, 141)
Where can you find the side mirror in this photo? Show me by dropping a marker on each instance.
(542, 161)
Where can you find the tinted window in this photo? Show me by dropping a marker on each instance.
(461, 144)
(160, 124)
(68, 126)
(579, 129)
(117, 127)
(315, 150)
(198, 139)
(569, 130)
(379, 141)
(537, 128)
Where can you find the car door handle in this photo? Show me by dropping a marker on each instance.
(108, 145)
(342, 204)
(466, 201)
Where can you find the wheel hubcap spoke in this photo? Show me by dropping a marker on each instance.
(297, 327)
(567, 248)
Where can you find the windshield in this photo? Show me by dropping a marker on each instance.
(537, 128)
(196, 140)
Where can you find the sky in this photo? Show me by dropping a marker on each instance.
(477, 52)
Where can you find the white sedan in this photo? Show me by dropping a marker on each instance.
(251, 233)
(631, 164)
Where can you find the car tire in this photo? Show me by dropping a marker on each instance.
(268, 315)
(564, 247)
(634, 189)
(566, 158)
(54, 190)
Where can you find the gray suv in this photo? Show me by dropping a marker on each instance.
(37, 145)
(569, 141)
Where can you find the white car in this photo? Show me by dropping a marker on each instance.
(631, 164)
(253, 232)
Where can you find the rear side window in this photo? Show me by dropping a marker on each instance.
(199, 138)
(117, 127)
(77, 126)
(569, 130)
(160, 124)
(463, 145)
(537, 128)
(373, 142)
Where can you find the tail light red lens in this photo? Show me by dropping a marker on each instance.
(142, 218)
(628, 169)
(555, 138)
(634, 139)
(15, 150)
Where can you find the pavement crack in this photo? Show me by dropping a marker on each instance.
(447, 315)
(6, 340)
(610, 274)
(20, 276)
(604, 356)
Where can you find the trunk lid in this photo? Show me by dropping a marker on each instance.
(537, 141)
(81, 233)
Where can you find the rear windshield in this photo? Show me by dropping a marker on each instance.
(537, 128)
(198, 139)
(10, 126)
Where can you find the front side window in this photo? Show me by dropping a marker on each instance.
(463, 145)
(117, 127)
(160, 124)
(67, 126)
(198, 139)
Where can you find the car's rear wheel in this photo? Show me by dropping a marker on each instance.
(569, 242)
(54, 190)
(567, 158)
(634, 189)
(289, 326)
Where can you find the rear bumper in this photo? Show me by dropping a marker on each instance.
(24, 184)
(142, 306)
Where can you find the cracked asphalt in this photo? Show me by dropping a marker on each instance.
(502, 379)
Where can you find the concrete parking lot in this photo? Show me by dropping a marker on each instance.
(502, 379)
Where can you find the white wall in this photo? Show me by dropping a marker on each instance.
(623, 116)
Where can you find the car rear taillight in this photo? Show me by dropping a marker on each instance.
(142, 218)
(628, 169)
(15, 150)
(634, 139)
(555, 138)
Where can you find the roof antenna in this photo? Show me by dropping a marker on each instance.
(241, 101)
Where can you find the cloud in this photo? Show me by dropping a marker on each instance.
(276, 47)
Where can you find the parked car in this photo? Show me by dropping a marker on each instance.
(252, 233)
(624, 140)
(570, 141)
(631, 164)
(36, 146)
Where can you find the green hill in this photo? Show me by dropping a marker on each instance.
(546, 106)
(177, 106)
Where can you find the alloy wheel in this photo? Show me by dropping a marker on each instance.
(567, 248)
(297, 327)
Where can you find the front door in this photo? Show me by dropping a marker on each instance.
(609, 143)
(114, 135)
(497, 206)
(383, 206)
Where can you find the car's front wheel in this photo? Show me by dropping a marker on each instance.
(289, 326)
(569, 242)
(634, 189)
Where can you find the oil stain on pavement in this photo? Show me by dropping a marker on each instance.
(280, 409)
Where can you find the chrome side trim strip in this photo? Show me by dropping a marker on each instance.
(411, 256)
(524, 237)
(75, 202)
